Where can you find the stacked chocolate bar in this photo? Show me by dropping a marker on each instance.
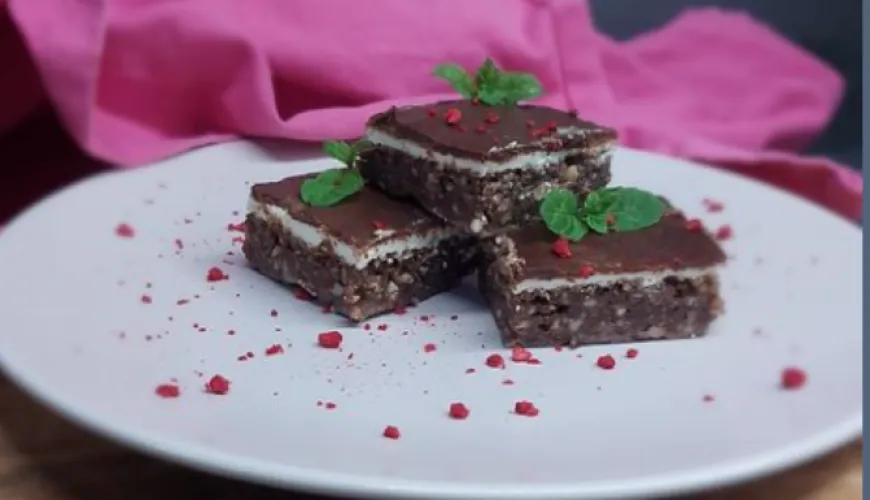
(520, 193)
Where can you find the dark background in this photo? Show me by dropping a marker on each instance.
(830, 29)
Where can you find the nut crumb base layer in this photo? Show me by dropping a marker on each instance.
(382, 286)
(619, 312)
(480, 204)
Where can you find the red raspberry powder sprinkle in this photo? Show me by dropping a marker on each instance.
(240, 227)
(146, 299)
(526, 409)
(124, 230)
(495, 361)
(708, 398)
(793, 378)
(724, 233)
(167, 391)
(400, 310)
(458, 411)
(217, 385)
(273, 313)
(561, 248)
(694, 225)
(631, 353)
(329, 340)
(606, 362)
(452, 116)
(430, 347)
(272, 350)
(392, 432)
(216, 274)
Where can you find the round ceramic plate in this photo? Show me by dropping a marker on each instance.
(106, 297)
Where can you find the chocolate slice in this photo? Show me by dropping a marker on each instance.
(366, 255)
(656, 283)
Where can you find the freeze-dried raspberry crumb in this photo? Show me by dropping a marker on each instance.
(793, 378)
(712, 205)
(469, 371)
(383, 327)
(273, 313)
(495, 361)
(392, 432)
(124, 230)
(330, 405)
(631, 353)
(272, 350)
(561, 248)
(694, 225)
(586, 271)
(167, 391)
(724, 233)
(708, 398)
(216, 274)
(458, 411)
(606, 362)
(329, 340)
(146, 299)
(181, 302)
(430, 347)
(400, 310)
(302, 294)
(526, 409)
(519, 354)
(217, 385)
(240, 227)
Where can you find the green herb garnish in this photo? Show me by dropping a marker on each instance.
(614, 209)
(331, 186)
(489, 84)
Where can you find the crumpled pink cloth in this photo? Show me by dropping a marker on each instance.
(138, 80)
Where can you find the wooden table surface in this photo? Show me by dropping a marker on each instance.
(44, 457)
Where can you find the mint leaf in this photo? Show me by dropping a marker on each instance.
(340, 150)
(330, 187)
(596, 222)
(487, 74)
(559, 211)
(517, 87)
(458, 78)
(633, 208)
(361, 145)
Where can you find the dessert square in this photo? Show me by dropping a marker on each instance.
(655, 283)
(366, 255)
(484, 168)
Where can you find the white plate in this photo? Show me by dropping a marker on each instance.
(75, 333)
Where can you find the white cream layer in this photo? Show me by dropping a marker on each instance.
(382, 248)
(538, 159)
(648, 278)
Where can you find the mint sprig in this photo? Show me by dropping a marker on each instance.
(614, 209)
(489, 84)
(334, 185)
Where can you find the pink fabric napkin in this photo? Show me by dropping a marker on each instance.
(138, 80)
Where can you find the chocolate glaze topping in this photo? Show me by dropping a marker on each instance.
(490, 133)
(352, 220)
(668, 245)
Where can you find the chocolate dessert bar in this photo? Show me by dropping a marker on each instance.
(659, 282)
(365, 255)
(484, 168)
